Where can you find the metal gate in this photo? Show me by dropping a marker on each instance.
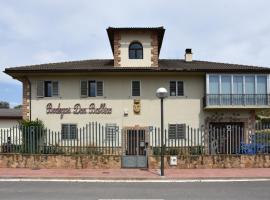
(135, 148)
(225, 138)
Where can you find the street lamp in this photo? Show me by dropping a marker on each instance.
(162, 93)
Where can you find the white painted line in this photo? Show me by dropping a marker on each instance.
(133, 181)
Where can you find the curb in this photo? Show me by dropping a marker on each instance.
(131, 179)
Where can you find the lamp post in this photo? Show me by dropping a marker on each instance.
(162, 94)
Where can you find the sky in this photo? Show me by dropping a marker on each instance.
(36, 32)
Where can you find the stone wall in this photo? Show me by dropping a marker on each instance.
(217, 161)
(59, 161)
(114, 162)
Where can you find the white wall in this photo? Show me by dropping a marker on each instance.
(127, 38)
(117, 95)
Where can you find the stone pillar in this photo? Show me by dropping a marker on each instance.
(116, 48)
(26, 100)
(154, 51)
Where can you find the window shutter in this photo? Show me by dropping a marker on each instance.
(180, 88)
(73, 131)
(172, 88)
(172, 131)
(136, 88)
(65, 131)
(55, 88)
(181, 131)
(111, 130)
(84, 88)
(40, 88)
(99, 88)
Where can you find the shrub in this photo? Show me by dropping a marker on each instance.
(32, 135)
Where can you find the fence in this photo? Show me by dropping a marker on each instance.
(94, 138)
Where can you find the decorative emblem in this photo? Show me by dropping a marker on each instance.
(137, 106)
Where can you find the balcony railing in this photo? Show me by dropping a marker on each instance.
(237, 100)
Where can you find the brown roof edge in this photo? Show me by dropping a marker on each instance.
(160, 31)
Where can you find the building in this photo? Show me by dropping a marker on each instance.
(120, 92)
(9, 117)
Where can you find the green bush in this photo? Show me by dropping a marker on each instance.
(32, 135)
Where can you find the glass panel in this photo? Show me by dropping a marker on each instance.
(139, 54)
(261, 96)
(250, 90)
(132, 54)
(135, 46)
(225, 90)
(250, 84)
(180, 88)
(213, 84)
(48, 88)
(136, 88)
(172, 88)
(92, 88)
(261, 85)
(238, 90)
(213, 97)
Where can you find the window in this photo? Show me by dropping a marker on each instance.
(177, 131)
(47, 88)
(135, 51)
(110, 132)
(91, 88)
(228, 89)
(237, 84)
(136, 88)
(69, 131)
(176, 88)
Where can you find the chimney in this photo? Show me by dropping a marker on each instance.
(188, 55)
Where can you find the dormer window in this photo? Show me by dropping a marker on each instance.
(135, 50)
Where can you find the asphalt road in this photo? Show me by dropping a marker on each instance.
(89, 191)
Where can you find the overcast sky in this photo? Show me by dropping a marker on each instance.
(34, 32)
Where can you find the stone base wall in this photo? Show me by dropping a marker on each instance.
(217, 161)
(60, 161)
(114, 162)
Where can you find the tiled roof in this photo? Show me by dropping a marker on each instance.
(165, 65)
(159, 30)
(10, 113)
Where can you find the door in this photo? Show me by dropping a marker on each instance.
(225, 138)
(135, 154)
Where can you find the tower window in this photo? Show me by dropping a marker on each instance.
(135, 50)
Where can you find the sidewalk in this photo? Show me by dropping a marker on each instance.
(134, 174)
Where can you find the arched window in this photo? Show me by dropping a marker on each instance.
(135, 50)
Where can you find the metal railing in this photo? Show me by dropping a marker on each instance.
(96, 139)
(236, 99)
(191, 141)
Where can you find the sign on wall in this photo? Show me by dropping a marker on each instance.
(78, 109)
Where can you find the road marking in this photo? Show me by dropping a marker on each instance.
(131, 181)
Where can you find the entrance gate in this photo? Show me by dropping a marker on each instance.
(135, 148)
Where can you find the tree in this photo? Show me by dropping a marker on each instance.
(4, 104)
(18, 107)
